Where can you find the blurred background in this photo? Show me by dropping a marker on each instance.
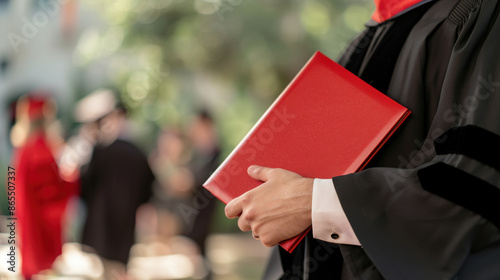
(175, 84)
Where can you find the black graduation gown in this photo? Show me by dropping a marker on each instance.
(117, 181)
(425, 207)
(202, 165)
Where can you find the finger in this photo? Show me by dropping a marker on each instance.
(234, 208)
(268, 242)
(243, 224)
(260, 173)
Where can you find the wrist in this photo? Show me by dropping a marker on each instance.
(307, 184)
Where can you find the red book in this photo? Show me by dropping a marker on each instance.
(326, 123)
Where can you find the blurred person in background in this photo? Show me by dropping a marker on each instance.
(115, 182)
(174, 182)
(182, 164)
(202, 134)
(41, 192)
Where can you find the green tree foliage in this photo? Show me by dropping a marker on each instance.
(170, 57)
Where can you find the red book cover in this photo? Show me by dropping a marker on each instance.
(326, 123)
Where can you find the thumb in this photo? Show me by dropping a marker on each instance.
(260, 173)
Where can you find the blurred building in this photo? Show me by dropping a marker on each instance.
(36, 52)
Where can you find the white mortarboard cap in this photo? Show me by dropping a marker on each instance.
(95, 106)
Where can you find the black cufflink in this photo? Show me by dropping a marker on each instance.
(335, 236)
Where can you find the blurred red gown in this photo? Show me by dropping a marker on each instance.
(41, 198)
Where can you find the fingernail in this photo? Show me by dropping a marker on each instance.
(252, 169)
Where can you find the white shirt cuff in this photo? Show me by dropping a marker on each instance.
(329, 222)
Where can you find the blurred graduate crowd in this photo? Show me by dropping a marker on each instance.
(129, 215)
(114, 113)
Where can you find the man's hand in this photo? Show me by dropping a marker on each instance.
(278, 209)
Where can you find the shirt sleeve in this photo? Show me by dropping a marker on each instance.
(329, 222)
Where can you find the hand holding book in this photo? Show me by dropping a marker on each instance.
(277, 210)
(326, 123)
